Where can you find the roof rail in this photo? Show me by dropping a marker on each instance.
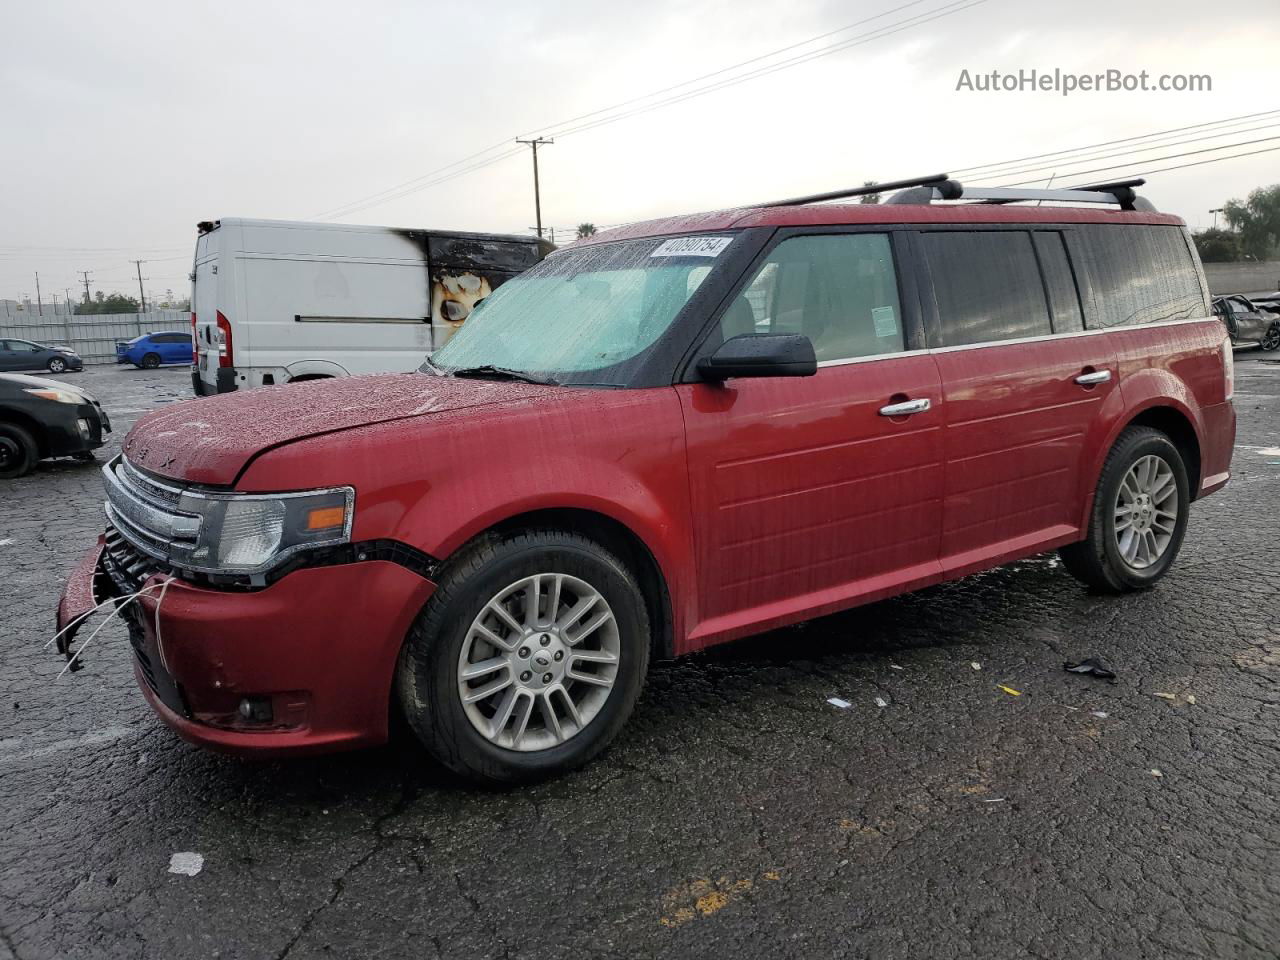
(938, 181)
(1121, 192)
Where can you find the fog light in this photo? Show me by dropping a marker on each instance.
(85, 430)
(256, 709)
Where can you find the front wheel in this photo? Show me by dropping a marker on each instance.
(1271, 339)
(528, 659)
(18, 451)
(1140, 512)
(151, 361)
(57, 365)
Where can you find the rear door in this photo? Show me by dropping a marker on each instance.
(1023, 386)
(807, 496)
(204, 307)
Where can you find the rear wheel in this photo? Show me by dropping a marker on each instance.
(1139, 518)
(1271, 339)
(57, 365)
(528, 659)
(150, 361)
(18, 451)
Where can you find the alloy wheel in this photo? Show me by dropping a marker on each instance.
(538, 662)
(1146, 512)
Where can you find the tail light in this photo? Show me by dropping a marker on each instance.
(1228, 369)
(195, 339)
(226, 358)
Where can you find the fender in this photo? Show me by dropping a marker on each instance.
(436, 481)
(1140, 391)
(315, 368)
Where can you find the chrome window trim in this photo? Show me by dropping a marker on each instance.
(1097, 331)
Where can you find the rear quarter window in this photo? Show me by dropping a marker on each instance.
(1142, 274)
(987, 287)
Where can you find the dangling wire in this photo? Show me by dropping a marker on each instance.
(120, 604)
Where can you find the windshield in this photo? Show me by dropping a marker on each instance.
(579, 313)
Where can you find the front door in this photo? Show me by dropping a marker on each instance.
(812, 493)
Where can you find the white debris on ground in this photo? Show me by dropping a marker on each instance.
(837, 702)
(187, 863)
(881, 702)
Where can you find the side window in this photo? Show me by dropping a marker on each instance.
(1143, 274)
(839, 290)
(987, 287)
(1064, 295)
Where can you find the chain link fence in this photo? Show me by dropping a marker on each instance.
(94, 336)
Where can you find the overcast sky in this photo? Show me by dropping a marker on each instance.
(124, 124)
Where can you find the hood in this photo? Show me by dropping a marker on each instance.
(212, 440)
(21, 381)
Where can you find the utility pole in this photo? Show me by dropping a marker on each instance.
(39, 302)
(537, 199)
(67, 291)
(1215, 217)
(138, 264)
(85, 274)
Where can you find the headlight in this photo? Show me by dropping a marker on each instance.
(61, 396)
(252, 533)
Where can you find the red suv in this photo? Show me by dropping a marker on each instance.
(662, 438)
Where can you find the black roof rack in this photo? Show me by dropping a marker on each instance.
(940, 186)
(937, 180)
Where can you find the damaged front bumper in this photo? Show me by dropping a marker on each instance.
(312, 655)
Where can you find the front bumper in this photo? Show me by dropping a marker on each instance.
(62, 428)
(320, 645)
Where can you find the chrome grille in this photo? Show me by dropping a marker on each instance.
(145, 510)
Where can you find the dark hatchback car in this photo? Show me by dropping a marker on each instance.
(44, 418)
(25, 355)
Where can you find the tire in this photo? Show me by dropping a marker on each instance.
(150, 361)
(57, 365)
(445, 637)
(1271, 339)
(1106, 559)
(18, 451)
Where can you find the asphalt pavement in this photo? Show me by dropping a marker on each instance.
(740, 813)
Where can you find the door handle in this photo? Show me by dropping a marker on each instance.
(906, 408)
(1089, 379)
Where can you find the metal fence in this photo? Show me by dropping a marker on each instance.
(94, 336)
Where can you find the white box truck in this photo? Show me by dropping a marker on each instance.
(276, 301)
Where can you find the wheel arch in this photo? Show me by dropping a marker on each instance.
(1178, 427)
(618, 538)
(29, 424)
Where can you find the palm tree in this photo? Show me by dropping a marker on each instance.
(869, 197)
(586, 230)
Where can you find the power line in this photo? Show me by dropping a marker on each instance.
(430, 179)
(1059, 164)
(1199, 163)
(1172, 156)
(1109, 143)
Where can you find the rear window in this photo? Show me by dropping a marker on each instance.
(987, 287)
(1143, 274)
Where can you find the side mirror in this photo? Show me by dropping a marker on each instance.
(761, 355)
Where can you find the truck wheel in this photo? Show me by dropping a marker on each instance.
(1140, 512)
(18, 451)
(1271, 339)
(57, 365)
(150, 361)
(527, 660)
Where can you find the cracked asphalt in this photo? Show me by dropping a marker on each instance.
(738, 814)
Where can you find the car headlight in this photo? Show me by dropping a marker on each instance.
(252, 533)
(50, 393)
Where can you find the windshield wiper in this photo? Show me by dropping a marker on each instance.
(503, 373)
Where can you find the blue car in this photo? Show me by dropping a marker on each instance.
(152, 349)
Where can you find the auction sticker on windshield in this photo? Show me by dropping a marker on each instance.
(692, 247)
